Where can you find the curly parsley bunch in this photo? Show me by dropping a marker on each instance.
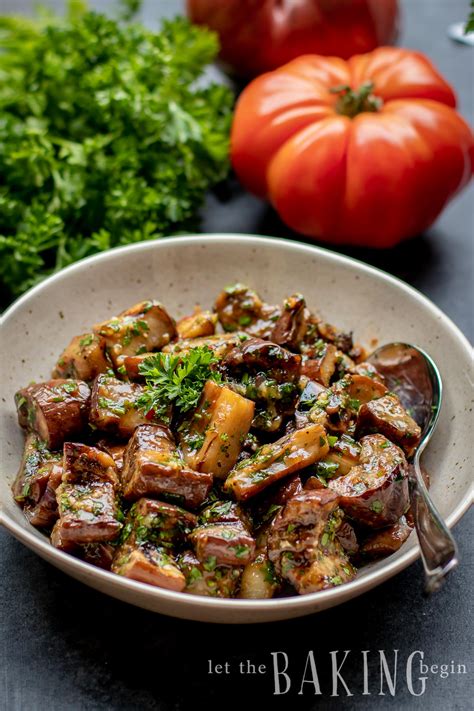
(107, 137)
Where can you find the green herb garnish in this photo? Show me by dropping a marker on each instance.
(175, 379)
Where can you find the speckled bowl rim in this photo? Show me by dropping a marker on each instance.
(349, 590)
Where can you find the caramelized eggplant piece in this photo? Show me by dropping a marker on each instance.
(145, 327)
(87, 503)
(322, 368)
(268, 374)
(256, 355)
(303, 544)
(335, 409)
(266, 506)
(45, 512)
(114, 406)
(347, 538)
(34, 472)
(386, 541)
(225, 512)
(153, 466)
(274, 461)
(83, 359)
(221, 344)
(148, 564)
(342, 341)
(152, 531)
(212, 437)
(363, 388)
(208, 578)
(98, 554)
(291, 327)
(199, 325)
(57, 410)
(240, 307)
(345, 453)
(116, 451)
(388, 416)
(375, 492)
(157, 522)
(228, 543)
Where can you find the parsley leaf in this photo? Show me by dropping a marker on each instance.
(177, 379)
(109, 136)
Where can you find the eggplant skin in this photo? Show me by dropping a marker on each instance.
(87, 498)
(375, 492)
(207, 578)
(386, 541)
(387, 416)
(148, 564)
(303, 543)
(154, 467)
(57, 410)
(272, 462)
(113, 406)
(84, 358)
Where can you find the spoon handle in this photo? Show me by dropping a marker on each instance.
(439, 551)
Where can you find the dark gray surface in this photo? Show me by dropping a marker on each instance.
(64, 646)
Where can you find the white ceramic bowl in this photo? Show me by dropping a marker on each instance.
(186, 270)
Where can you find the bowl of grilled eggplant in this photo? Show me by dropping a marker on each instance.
(192, 426)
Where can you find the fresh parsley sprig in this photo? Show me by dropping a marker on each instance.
(108, 136)
(176, 379)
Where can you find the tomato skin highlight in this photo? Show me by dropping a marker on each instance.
(370, 177)
(258, 36)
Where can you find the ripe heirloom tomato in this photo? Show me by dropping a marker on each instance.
(366, 151)
(259, 35)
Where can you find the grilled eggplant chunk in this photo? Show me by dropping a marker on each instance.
(83, 359)
(144, 327)
(158, 522)
(116, 451)
(322, 368)
(388, 416)
(303, 545)
(153, 466)
(88, 511)
(386, 541)
(290, 328)
(208, 578)
(57, 410)
(98, 554)
(240, 307)
(268, 374)
(229, 544)
(224, 534)
(35, 468)
(274, 461)
(149, 564)
(256, 355)
(375, 492)
(152, 531)
(211, 439)
(198, 325)
(45, 512)
(114, 407)
(345, 454)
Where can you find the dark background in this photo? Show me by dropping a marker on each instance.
(65, 646)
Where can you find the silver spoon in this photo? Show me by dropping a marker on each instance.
(411, 374)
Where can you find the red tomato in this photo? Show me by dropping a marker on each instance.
(259, 35)
(365, 152)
